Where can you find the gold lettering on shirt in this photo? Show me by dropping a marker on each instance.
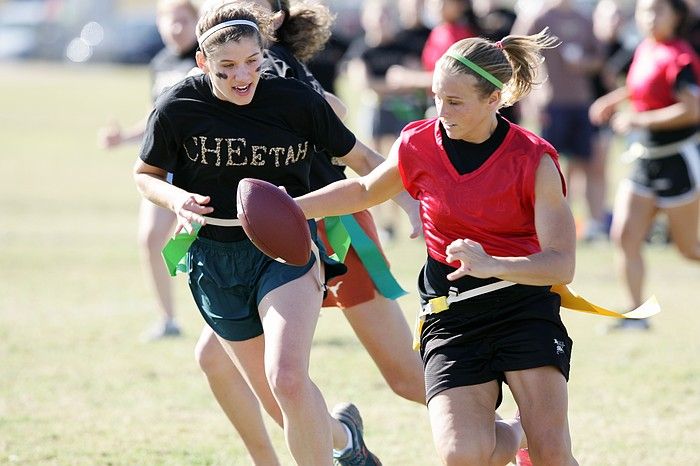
(240, 159)
(201, 149)
(196, 155)
(258, 152)
(204, 150)
(300, 155)
(276, 152)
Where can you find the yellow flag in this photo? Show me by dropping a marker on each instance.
(572, 300)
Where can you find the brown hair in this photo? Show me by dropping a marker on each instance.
(230, 12)
(306, 27)
(513, 60)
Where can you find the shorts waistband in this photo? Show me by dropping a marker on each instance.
(639, 150)
(225, 246)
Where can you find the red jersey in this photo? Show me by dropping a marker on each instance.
(440, 39)
(654, 70)
(493, 205)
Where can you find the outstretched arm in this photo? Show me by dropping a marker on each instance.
(363, 160)
(355, 194)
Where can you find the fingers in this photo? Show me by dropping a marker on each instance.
(201, 200)
(459, 273)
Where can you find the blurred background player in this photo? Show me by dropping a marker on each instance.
(393, 36)
(176, 21)
(662, 87)
(561, 106)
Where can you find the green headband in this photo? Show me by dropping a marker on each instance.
(477, 69)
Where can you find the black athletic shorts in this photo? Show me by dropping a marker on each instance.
(673, 180)
(476, 343)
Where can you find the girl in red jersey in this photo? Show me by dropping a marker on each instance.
(662, 86)
(498, 233)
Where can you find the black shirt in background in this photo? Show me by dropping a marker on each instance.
(168, 68)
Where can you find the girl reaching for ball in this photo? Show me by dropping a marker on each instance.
(211, 131)
(498, 234)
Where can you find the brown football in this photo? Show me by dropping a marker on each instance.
(273, 221)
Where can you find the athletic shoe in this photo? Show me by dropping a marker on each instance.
(595, 231)
(630, 324)
(358, 455)
(166, 329)
(522, 458)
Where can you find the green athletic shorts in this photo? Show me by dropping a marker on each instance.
(228, 281)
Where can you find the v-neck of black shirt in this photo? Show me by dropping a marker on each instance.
(467, 157)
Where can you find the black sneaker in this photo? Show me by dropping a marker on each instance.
(359, 455)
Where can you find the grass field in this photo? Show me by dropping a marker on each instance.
(77, 387)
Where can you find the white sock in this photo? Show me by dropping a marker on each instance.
(348, 446)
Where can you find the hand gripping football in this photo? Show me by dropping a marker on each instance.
(273, 221)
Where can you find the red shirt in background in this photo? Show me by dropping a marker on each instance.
(440, 39)
(652, 76)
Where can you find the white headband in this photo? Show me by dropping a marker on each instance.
(235, 22)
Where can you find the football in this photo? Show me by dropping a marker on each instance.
(273, 221)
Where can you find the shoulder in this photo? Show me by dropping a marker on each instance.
(289, 92)
(418, 126)
(163, 55)
(190, 88)
(526, 137)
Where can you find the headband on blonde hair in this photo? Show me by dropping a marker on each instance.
(476, 68)
(235, 22)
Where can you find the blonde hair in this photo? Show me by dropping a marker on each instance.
(513, 60)
(229, 12)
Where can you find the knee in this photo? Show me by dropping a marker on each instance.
(550, 453)
(408, 385)
(454, 454)
(288, 382)
(550, 450)
(625, 239)
(211, 360)
(690, 251)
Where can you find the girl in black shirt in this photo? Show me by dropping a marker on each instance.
(303, 30)
(211, 131)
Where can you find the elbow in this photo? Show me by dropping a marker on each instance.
(568, 269)
(567, 277)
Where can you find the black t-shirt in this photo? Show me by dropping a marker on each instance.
(169, 68)
(412, 41)
(279, 61)
(210, 145)
(380, 58)
(467, 156)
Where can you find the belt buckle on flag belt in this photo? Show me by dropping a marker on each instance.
(442, 303)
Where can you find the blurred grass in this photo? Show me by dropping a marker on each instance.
(78, 388)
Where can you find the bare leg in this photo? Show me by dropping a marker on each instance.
(277, 369)
(632, 218)
(541, 396)
(596, 179)
(465, 430)
(235, 398)
(155, 226)
(382, 329)
(683, 222)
